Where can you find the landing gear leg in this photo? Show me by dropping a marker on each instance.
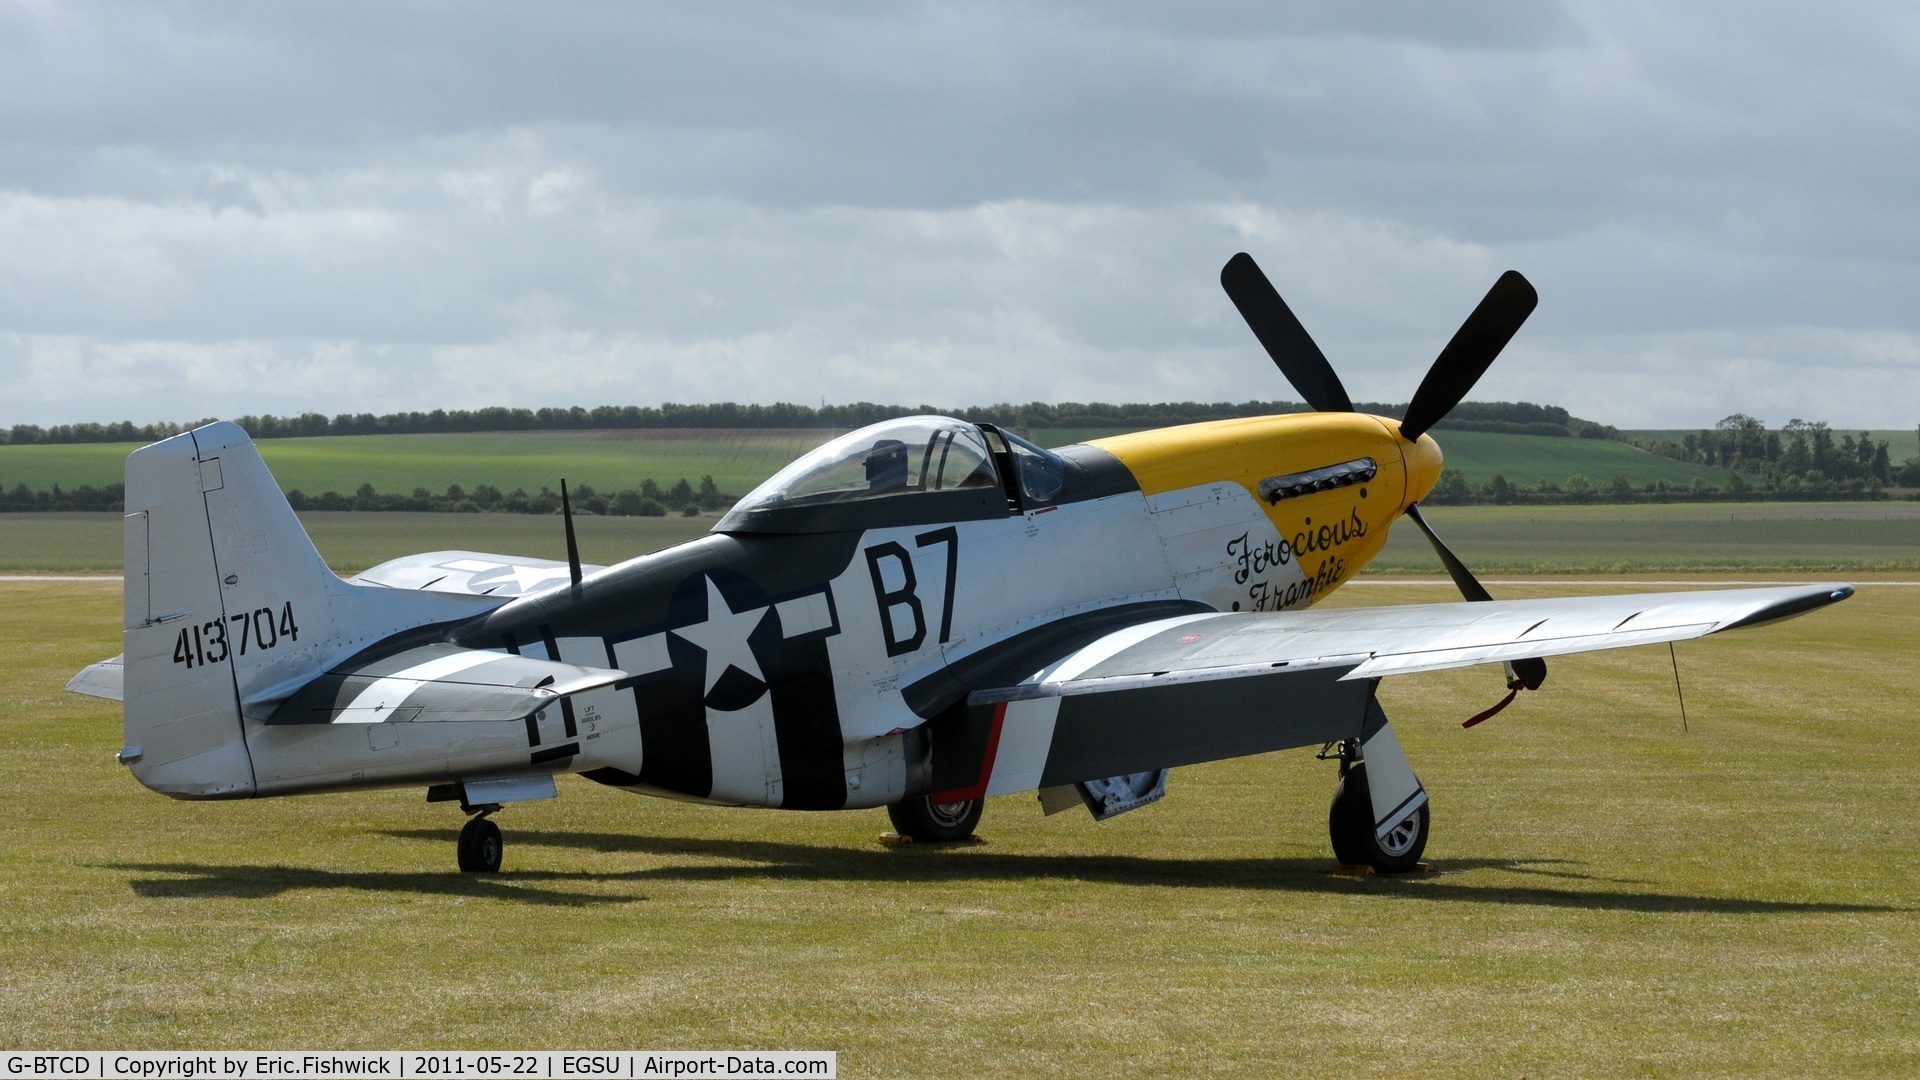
(1379, 816)
(480, 846)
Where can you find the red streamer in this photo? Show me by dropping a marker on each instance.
(1504, 702)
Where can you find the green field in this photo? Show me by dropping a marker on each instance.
(606, 460)
(1556, 539)
(1614, 896)
(737, 460)
(1522, 459)
(1529, 459)
(351, 542)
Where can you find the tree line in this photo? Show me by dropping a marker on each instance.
(1520, 418)
(650, 499)
(1802, 455)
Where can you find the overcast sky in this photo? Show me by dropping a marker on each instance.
(221, 209)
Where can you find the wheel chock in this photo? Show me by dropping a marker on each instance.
(894, 839)
(1363, 870)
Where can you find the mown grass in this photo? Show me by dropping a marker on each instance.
(1615, 896)
(1563, 539)
(1674, 536)
(737, 460)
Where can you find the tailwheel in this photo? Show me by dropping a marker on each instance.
(480, 847)
(929, 822)
(1356, 842)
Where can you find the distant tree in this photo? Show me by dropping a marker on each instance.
(1450, 490)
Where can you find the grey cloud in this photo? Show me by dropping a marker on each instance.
(353, 194)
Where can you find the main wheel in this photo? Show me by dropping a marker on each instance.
(929, 822)
(480, 847)
(1350, 825)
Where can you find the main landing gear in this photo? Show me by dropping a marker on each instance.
(925, 821)
(480, 847)
(1379, 816)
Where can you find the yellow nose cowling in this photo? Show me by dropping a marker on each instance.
(1424, 462)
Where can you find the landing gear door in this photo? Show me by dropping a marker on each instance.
(1396, 792)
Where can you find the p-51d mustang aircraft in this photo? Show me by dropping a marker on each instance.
(917, 615)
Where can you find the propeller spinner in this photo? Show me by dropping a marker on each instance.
(1453, 374)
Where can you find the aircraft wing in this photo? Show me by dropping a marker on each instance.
(1371, 642)
(439, 682)
(474, 572)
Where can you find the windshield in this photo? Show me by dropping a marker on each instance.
(914, 454)
(1042, 474)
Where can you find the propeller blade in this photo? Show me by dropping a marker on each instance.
(1470, 353)
(1530, 672)
(1298, 358)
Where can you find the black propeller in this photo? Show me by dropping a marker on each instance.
(1470, 353)
(1452, 376)
(1530, 672)
(1299, 359)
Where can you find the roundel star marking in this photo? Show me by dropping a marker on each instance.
(723, 637)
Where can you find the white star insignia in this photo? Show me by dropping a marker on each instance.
(524, 578)
(724, 637)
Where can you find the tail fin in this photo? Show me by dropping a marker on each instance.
(229, 610)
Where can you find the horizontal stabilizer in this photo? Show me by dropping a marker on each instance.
(439, 683)
(106, 679)
(472, 572)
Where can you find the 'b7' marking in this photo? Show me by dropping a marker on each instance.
(906, 597)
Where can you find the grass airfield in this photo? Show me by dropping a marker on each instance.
(1614, 895)
(1807, 538)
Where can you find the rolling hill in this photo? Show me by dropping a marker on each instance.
(737, 459)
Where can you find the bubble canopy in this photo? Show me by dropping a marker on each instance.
(915, 454)
(933, 459)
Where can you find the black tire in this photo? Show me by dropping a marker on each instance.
(1350, 826)
(928, 822)
(480, 847)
